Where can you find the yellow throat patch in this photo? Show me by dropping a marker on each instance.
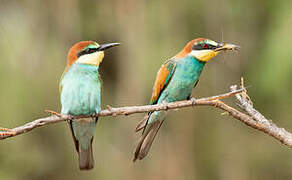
(204, 55)
(93, 58)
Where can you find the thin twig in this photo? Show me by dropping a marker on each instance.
(257, 119)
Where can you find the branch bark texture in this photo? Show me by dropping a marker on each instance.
(110, 111)
(250, 116)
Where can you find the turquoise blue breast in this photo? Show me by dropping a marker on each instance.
(81, 90)
(187, 72)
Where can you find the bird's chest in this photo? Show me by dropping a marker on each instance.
(188, 71)
(186, 74)
(80, 91)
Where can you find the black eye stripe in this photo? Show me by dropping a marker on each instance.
(202, 46)
(87, 51)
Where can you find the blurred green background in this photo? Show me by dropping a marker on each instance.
(194, 143)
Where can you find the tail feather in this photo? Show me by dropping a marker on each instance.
(146, 140)
(141, 125)
(81, 132)
(86, 160)
(74, 138)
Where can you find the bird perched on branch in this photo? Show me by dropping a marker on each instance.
(80, 88)
(174, 82)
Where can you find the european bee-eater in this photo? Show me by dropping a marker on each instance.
(80, 89)
(174, 82)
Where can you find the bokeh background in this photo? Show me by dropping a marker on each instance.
(194, 143)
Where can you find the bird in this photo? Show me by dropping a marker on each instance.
(174, 82)
(80, 89)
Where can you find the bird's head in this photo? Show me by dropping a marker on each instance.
(204, 49)
(87, 52)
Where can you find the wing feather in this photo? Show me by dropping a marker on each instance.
(162, 79)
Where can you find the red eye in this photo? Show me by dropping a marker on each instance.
(205, 46)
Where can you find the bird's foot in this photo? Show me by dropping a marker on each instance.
(53, 113)
(94, 115)
(189, 97)
(193, 101)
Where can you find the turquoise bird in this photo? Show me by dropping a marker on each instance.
(174, 82)
(80, 88)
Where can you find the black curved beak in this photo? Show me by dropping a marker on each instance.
(107, 46)
(227, 46)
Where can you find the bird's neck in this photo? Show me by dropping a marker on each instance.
(191, 60)
(197, 60)
(80, 67)
(191, 65)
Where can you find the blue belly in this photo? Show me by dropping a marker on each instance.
(81, 90)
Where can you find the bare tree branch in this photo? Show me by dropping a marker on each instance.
(110, 111)
(253, 118)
